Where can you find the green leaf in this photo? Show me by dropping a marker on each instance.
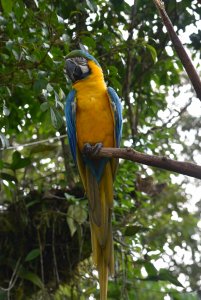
(8, 177)
(152, 51)
(62, 95)
(23, 163)
(70, 198)
(16, 54)
(16, 156)
(49, 87)
(132, 230)
(56, 118)
(44, 106)
(167, 275)
(57, 101)
(151, 270)
(113, 70)
(1, 164)
(30, 276)
(7, 5)
(32, 254)
(6, 111)
(9, 45)
(39, 85)
(91, 5)
(32, 203)
(90, 291)
(19, 9)
(76, 215)
(80, 214)
(70, 220)
(88, 41)
(18, 162)
(163, 275)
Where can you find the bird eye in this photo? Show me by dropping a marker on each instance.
(81, 61)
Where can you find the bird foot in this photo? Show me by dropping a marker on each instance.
(88, 149)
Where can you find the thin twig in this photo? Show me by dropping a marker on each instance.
(179, 114)
(185, 59)
(41, 256)
(54, 253)
(49, 140)
(12, 279)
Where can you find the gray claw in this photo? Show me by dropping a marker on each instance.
(87, 149)
(92, 150)
(96, 148)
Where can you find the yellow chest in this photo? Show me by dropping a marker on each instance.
(94, 117)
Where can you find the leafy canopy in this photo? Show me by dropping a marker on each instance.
(44, 231)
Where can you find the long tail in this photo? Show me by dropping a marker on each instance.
(100, 204)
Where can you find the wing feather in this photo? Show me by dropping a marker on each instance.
(70, 112)
(117, 110)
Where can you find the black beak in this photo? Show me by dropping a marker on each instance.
(73, 71)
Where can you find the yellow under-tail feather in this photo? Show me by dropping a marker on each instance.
(101, 236)
(100, 210)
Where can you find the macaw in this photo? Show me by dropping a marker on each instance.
(94, 119)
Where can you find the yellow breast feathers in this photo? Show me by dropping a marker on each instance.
(94, 117)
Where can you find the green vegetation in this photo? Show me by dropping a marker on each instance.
(44, 232)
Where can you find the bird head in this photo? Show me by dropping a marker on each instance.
(76, 66)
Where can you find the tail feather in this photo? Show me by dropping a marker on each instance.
(103, 258)
(94, 198)
(100, 197)
(101, 234)
(106, 265)
(103, 277)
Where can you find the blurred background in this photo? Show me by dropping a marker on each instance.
(45, 248)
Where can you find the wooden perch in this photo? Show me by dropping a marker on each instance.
(162, 162)
(185, 59)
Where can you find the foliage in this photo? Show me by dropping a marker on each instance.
(44, 232)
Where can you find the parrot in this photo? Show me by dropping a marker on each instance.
(94, 119)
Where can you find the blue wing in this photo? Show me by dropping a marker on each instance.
(70, 111)
(116, 104)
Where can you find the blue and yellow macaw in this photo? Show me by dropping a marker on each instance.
(94, 119)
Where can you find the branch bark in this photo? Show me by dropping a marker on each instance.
(162, 162)
(185, 59)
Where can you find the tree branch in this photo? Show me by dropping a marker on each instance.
(162, 162)
(185, 59)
